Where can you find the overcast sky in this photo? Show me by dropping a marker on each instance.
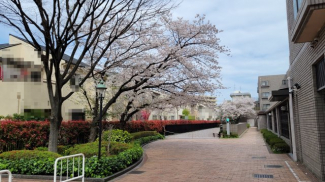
(256, 33)
(254, 30)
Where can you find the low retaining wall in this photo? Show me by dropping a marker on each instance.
(236, 128)
(183, 128)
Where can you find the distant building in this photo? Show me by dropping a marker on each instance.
(265, 85)
(238, 94)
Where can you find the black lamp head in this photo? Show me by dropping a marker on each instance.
(297, 86)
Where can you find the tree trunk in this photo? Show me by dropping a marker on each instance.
(55, 123)
(93, 130)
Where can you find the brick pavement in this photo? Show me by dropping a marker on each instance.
(213, 160)
(210, 159)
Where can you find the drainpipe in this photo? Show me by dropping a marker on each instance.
(293, 136)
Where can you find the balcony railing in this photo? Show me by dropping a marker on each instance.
(309, 20)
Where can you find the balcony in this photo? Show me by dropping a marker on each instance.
(309, 20)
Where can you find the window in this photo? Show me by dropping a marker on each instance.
(284, 82)
(296, 6)
(265, 95)
(265, 107)
(154, 117)
(265, 83)
(320, 74)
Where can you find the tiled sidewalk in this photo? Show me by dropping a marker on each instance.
(214, 160)
(211, 159)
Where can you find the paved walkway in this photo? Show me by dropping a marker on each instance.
(214, 159)
(182, 158)
(207, 133)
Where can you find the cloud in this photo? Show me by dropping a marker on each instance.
(254, 30)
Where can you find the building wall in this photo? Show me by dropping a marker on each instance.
(261, 122)
(33, 95)
(275, 83)
(308, 102)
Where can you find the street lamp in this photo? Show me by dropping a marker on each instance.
(100, 89)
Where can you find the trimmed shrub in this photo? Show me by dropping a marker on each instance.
(145, 140)
(141, 134)
(229, 136)
(116, 148)
(248, 125)
(94, 168)
(63, 148)
(277, 144)
(42, 148)
(91, 149)
(275, 140)
(33, 134)
(153, 125)
(281, 148)
(88, 149)
(117, 136)
(107, 166)
(28, 154)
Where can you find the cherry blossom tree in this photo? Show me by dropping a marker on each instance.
(237, 108)
(78, 27)
(171, 56)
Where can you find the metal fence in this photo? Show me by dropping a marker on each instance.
(65, 167)
(9, 175)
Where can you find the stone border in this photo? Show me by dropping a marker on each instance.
(115, 175)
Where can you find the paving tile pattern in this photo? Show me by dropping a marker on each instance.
(210, 159)
(214, 160)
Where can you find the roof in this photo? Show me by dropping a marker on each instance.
(240, 94)
(3, 46)
(65, 57)
(279, 95)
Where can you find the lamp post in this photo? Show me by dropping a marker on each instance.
(100, 89)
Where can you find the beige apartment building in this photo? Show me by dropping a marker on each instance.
(23, 83)
(201, 111)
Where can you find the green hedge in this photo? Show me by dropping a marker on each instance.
(277, 144)
(94, 168)
(41, 162)
(145, 140)
(117, 136)
(29, 162)
(142, 134)
(28, 154)
(91, 149)
(281, 148)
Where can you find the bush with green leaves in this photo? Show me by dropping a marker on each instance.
(18, 117)
(141, 134)
(277, 144)
(232, 135)
(117, 136)
(40, 162)
(28, 161)
(88, 149)
(43, 164)
(281, 148)
(145, 140)
(42, 149)
(275, 140)
(28, 154)
(248, 125)
(91, 149)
